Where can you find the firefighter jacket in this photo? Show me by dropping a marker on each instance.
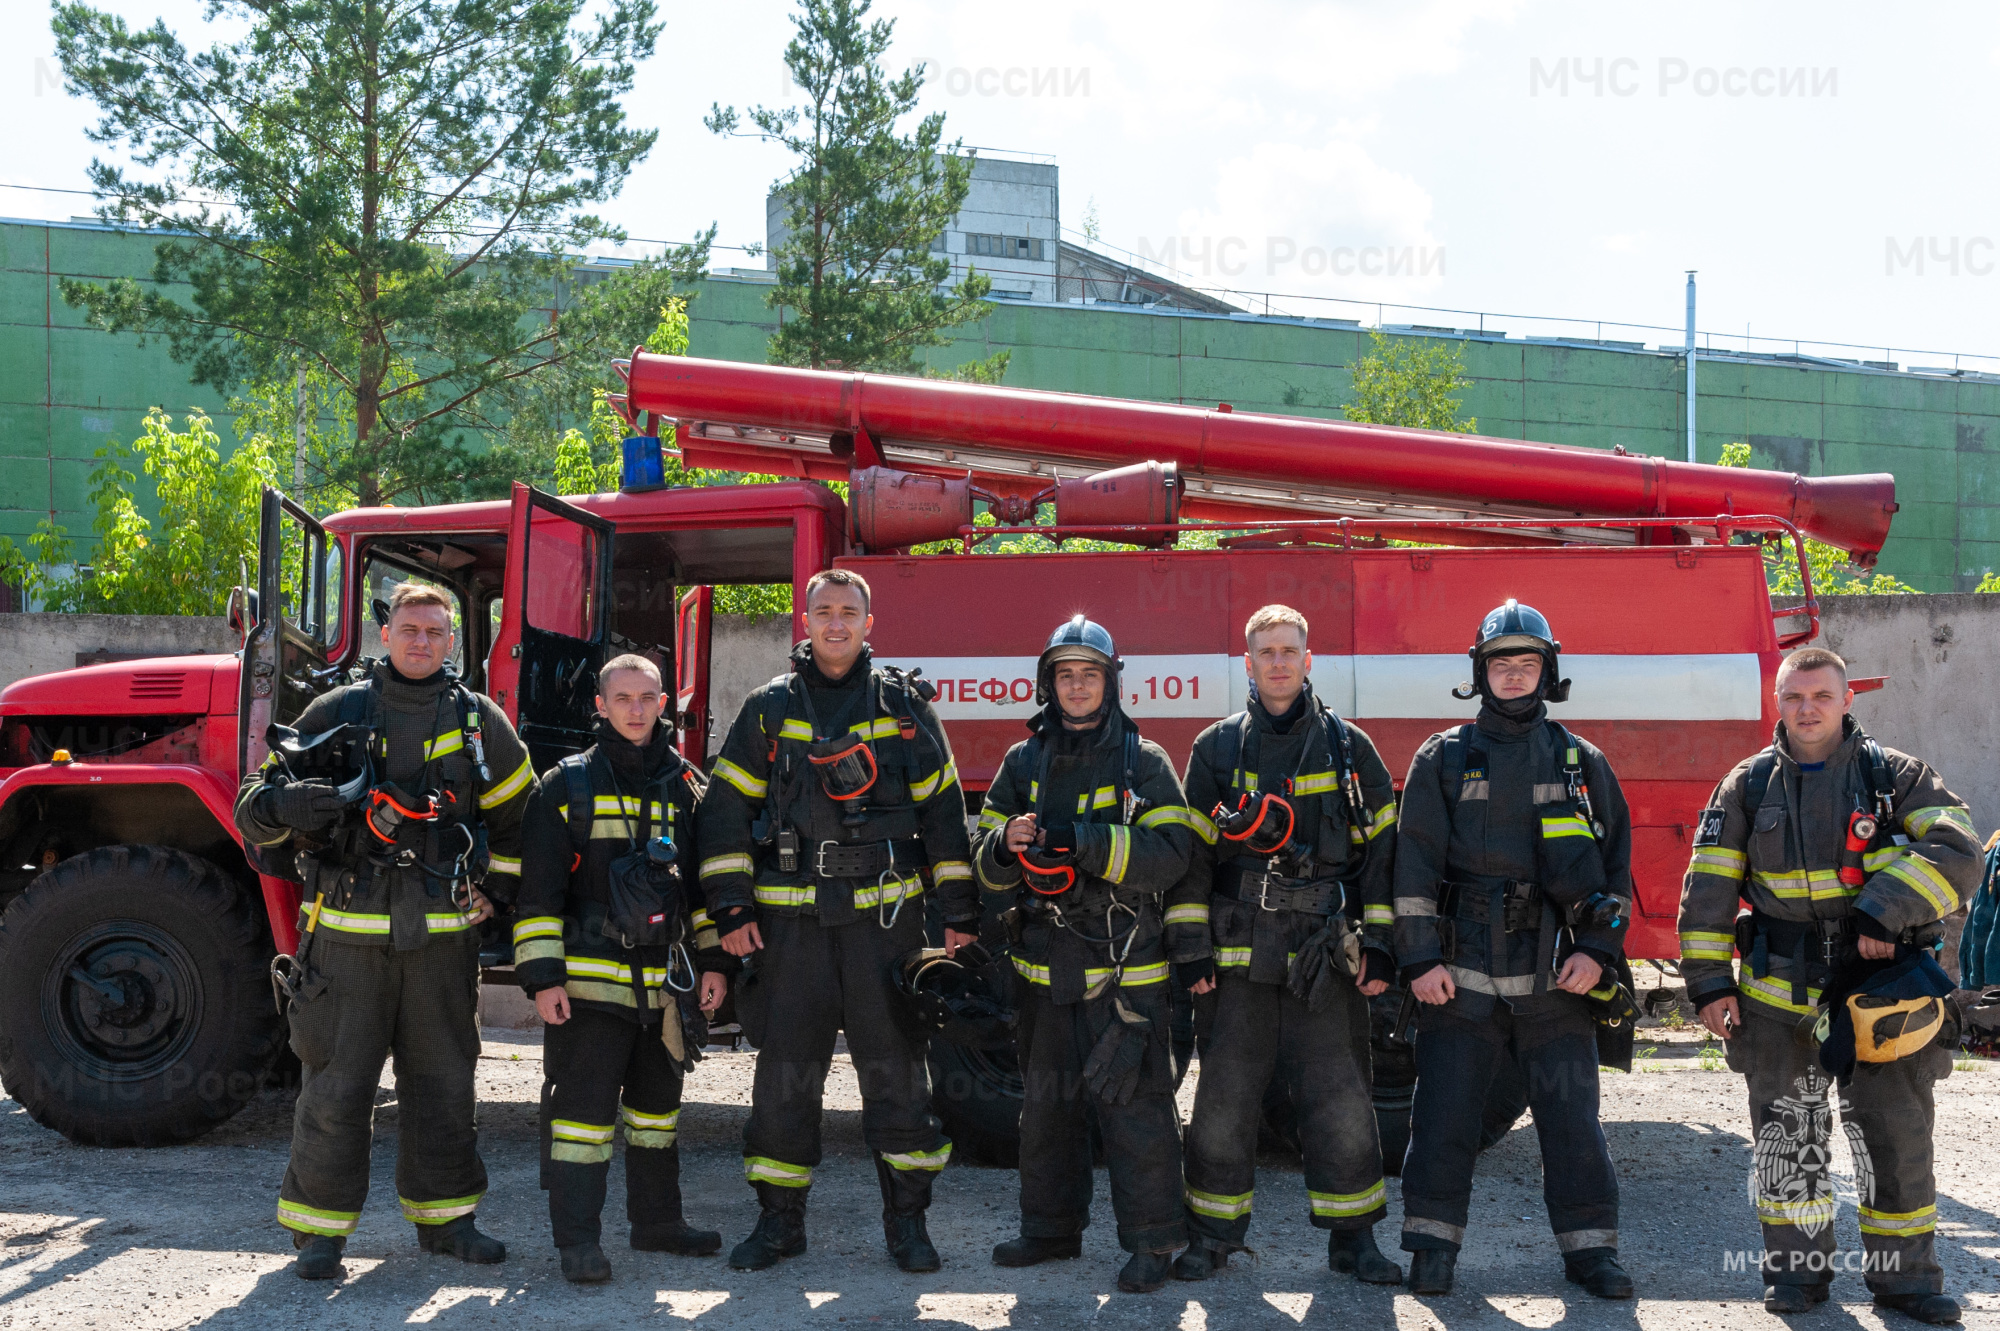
(562, 934)
(772, 837)
(399, 893)
(1300, 757)
(1491, 850)
(1133, 835)
(1782, 857)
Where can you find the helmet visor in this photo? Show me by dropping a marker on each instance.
(845, 767)
(1260, 828)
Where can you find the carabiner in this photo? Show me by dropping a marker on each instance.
(687, 966)
(882, 894)
(1131, 934)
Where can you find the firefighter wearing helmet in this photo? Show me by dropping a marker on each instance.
(833, 807)
(388, 955)
(1298, 856)
(1512, 887)
(1849, 855)
(1086, 829)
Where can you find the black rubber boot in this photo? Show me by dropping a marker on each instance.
(678, 1239)
(1601, 1275)
(1793, 1298)
(319, 1256)
(460, 1238)
(779, 1234)
(1199, 1263)
(910, 1242)
(584, 1264)
(1431, 1270)
(1932, 1309)
(1026, 1251)
(1352, 1252)
(1145, 1272)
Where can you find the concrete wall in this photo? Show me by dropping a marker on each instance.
(1944, 680)
(37, 644)
(747, 650)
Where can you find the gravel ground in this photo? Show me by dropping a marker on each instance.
(185, 1236)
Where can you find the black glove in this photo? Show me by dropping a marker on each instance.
(1057, 840)
(303, 806)
(1188, 974)
(1376, 965)
(731, 918)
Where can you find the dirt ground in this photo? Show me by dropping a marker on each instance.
(185, 1236)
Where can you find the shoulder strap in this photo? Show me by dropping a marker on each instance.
(1761, 768)
(469, 728)
(1233, 738)
(1881, 781)
(1460, 748)
(1131, 778)
(581, 798)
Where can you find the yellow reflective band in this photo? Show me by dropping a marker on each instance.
(1385, 818)
(568, 1130)
(635, 1119)
(951, 871)
(1170, 813)
(935, 782)
(882, 727)
(1134, 976)
(774, 894)
(1778, 994)
(1553, 828)
(539, 949)
(503, 864)
(538, 926)
(763, 1169)
(1349, 1203)
(1034, 791)
(1191, 913)
(699, 919)
(517, 782)
(1232, 956)
(1220, 1206)
(1877, 860)
(1699, 946)
(1378, 915)
(1120, 858)
(793, 728)
(310, 1220)
(1315, 783)
(602, 968)
(451, 741)
(715, 866)
(1204, 826)
(990, 819)
(449, 923)
(742, 780)
(931, 1161)
(1247, 781)
(1897, 1223)
(1103, 797)
(979, 867)
(1814, 1211)
(1721, 862)
(353, 922)
(580, 1153)
(1800, 884)
(1917, 822)
(882, 894)
(438, 1213)
(1923, 878)
(616, 994)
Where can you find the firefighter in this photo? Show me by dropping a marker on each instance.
(1086, 828)
(388, 959)
(1299, 856)
(1513, 883)
(833, 802)
(1848, 855)
(608, 943)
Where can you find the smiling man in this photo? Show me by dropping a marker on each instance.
(1848, 854)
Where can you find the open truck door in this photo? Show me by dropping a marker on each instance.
(553, 624)
(296, 625)
(692, 626)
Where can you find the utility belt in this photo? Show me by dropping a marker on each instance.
(866, 859)
(1521, 904)
(1272, 891)
(592, 922)
(1815, 948)
(1089, 899)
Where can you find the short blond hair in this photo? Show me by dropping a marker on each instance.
(409, 594)
(1274, 616)
(630, 661)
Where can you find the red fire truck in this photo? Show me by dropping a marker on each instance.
(134, 1005)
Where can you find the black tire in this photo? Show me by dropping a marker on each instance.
(978, 1093)
(184, 954)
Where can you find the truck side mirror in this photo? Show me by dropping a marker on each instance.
(242, 610)
(381, 609)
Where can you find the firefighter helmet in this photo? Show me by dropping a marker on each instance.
(950, 996)
(1079, 639)
(1511, 628)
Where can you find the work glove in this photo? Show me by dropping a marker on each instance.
(1188, 974)
(1112, 1070)
(303, 806)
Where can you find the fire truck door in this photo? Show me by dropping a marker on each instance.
(553, 625)
(691, 639)
(297, 624)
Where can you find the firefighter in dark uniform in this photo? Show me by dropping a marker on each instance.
(1848, 855)
(608, 942)
(388, 958)
(832, 806)
(1513, 884)
(1299, 854)
(1085, 826)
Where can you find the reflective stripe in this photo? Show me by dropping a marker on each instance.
(773, 894)
(1315, 783)
(882, 727)
(1924, 879)
(1506, 986)
(568, 1130)
(794, 728)
(508, 789)
(451, 741)
(353, 922)
(936, 781)
(653, 1131)
(1349, 1203)
(1421, 906)
(1171, 813)
(989, 819)
(1232, 956)
(1104, 797)
(1699, 946)
(1437, 1229)
(1120, 858)
(438, 1213)
(311, 1220)
(617, 995)
(1385, 818)
(717, 865)
(897, 889)
(951, 871)
(1220, 1206)
(742, 780)
(1917, 822)
(763, 1169)
(1203, 826)
(1576, 1240)
(1777, 994)
(1476, 789)
(1898, 1223)
(1378, 915)
(1133, 978)
(1246, 782)
(635, 1119)
(580, 1153)
(1814, 1211)
(930, 1161)
(979, 868)
(1564, 826)
(1875, 861)
(503, 864)
(1196, 913)
(452, 923)
(601, 968)
(1804, 884)
(537, 926)
(539, 949)
(699, 919)
(1720, 861)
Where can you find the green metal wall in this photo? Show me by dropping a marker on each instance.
(65, 389)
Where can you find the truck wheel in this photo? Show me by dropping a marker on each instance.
(978, 1094)
(135, 1008)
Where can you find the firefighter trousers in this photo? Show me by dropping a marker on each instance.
(1886, 1113)
(1142, 1138)
(360, 1004)
(810, 983)
(599, 1070)
(1456, 1061)
(1322, 1058)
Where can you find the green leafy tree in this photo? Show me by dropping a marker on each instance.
(1832, 575)
(1989, 583)
(1410, 382)
(185, 563)
(864, 203)
(386, 195)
